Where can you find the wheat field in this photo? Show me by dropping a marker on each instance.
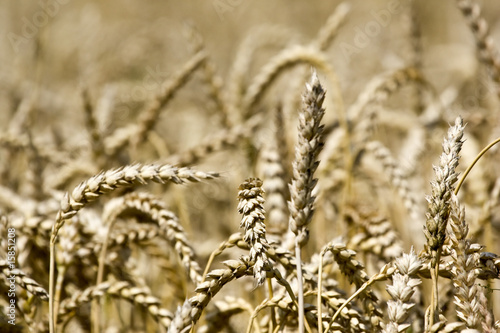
(237, 166)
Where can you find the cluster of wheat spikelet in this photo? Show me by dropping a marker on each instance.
(355, 214)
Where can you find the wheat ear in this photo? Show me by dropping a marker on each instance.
(190, 312)
(396, 175)
(121, 289)
(136, 133)
(251, 206)
(439, 205)
(464, 268)
(403, 286)
(306, 162)
(106, 182)
(169, 227)
(226, 138)
(92, 127)
(284, 60)
(237, 79)
(142, 234)
(23, 280)
(272, 168)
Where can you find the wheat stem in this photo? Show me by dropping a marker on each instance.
(469, 168)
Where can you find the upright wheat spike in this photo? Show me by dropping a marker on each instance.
(464, 268)
(251, 206)
(439, 204)
(273, 168)
(403, 286)
(305, 164)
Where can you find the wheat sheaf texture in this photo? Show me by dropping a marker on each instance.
(110, 109)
